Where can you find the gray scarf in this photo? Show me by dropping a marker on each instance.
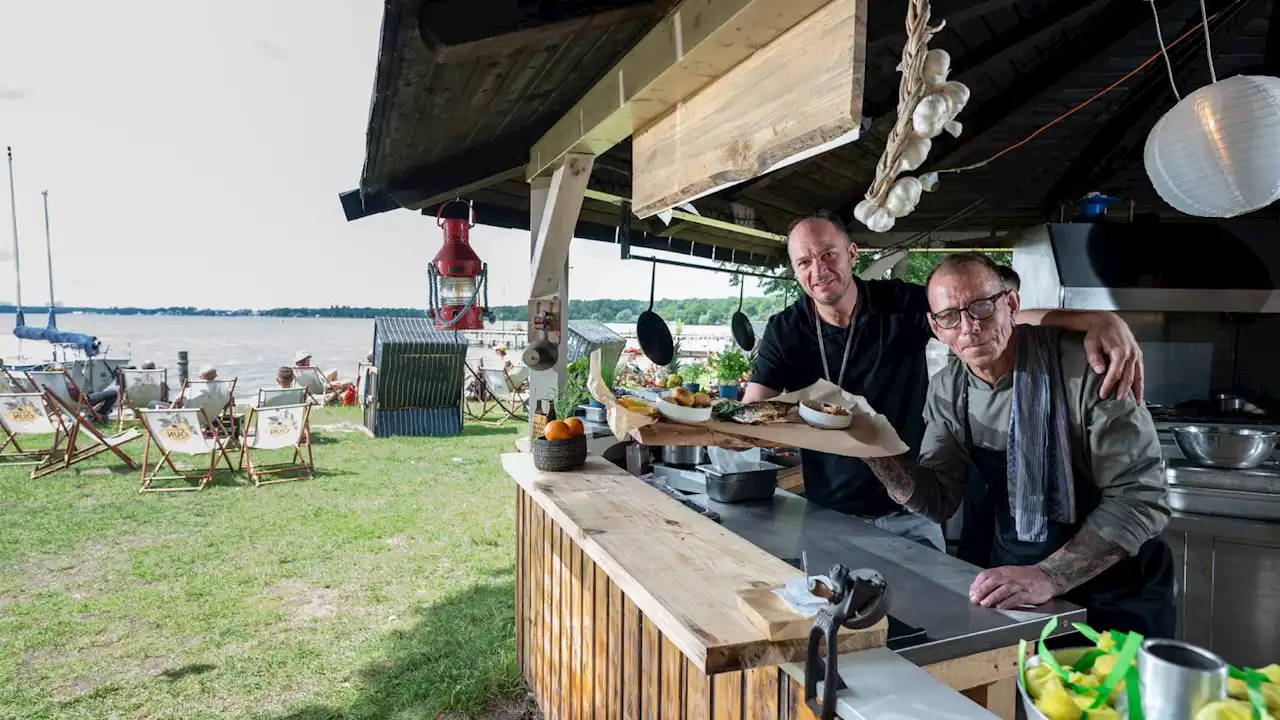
(1039, 453)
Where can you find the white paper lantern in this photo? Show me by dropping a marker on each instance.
(1217, 152)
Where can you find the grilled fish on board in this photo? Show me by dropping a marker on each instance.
(763, 412)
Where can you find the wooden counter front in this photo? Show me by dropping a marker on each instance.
(626, 604)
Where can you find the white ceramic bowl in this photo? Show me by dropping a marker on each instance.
(681, 413)
(825, 421)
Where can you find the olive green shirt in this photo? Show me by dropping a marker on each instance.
(1113, 444)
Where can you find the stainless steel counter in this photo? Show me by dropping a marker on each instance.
(929, 589)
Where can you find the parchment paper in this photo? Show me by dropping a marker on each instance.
(870, 434)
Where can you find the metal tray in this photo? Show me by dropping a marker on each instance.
(1228, 503)
(1183, 473)
(759, 483)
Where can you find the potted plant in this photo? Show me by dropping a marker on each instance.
(609, 374)
(731, 365)
(693, 376)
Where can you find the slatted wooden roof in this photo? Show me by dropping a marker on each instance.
(461, 94)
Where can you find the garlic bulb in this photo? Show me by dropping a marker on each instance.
(903, 196)
(937, 64)
(863, 210)
(914, 152)
(880, 221)
(958, 94)
(929, 181)
(931, 113)
(954, 128)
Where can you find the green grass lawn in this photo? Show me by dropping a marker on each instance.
(381, 589)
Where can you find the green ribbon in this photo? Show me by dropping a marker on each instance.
(1253, 686)
(1124, 661)
(1092, 635)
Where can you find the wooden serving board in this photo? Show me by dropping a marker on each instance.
(778, 622)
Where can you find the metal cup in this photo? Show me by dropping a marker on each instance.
(1178, 679)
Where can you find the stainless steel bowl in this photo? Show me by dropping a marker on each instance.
(683, 455)
(1225, 447)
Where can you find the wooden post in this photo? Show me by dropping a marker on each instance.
(183, 366)
(554, 205)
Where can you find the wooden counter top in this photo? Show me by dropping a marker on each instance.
(681, 570)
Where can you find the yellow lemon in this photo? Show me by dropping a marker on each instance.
(1272, 672)
(1058, 706)
(1227, 710)
(1042, 680)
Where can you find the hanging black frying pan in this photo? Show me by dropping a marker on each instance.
(743, 333)
(652, 332)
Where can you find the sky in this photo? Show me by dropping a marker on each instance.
(194, 152)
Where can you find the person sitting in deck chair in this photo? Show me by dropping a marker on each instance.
(284, 377)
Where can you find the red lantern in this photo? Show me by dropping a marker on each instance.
(457, 276)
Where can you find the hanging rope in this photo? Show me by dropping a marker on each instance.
(1165, 51)
(1081, 106)
(1208, 47)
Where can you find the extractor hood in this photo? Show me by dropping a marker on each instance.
(1174, 267)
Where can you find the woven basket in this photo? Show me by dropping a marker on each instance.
(559, 455)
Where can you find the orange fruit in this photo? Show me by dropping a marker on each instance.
(557, 430)
(575, 425)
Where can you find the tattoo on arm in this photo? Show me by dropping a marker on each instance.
(1083, 557)
(924, 491)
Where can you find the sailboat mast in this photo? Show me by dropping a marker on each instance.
(48, 247)
(13, 209)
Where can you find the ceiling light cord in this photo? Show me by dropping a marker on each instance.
(1165, 51)
(1208, 49)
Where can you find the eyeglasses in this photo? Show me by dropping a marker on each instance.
(983, 309)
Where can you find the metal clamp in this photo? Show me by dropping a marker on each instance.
(857, 600)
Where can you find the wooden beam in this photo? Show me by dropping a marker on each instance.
(525, 36)
(465, 172)
(889, 27)
(697, 42)
(783, 102)
(1150, 98)
(1107, 28)
(555, 231)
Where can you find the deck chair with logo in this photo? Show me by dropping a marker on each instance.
(275, 397)
(278, 428)
(184, 431)
(23, 414)
(138, 389)
(61, 385)
(316, 383)
(76, 438)
(216, 398)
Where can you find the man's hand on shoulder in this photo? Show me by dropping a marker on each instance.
(1114, 353)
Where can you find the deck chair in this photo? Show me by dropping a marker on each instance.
(315, 382)
(23, 414)
(505, 390)
(216, 398)
(138, 389)
(61, 385)
(17, 382)
(185, 431)
(275, 397)
(76, 439)
(277, 428)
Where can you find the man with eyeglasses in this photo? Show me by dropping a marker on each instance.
(1074, 480)
(869, 338)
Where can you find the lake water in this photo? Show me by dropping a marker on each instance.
(251, 348)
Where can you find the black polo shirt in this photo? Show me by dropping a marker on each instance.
(886, 366)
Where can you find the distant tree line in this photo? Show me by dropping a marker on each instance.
(696, 311)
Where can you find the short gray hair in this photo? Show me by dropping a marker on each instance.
(823, 216)
(956, 262)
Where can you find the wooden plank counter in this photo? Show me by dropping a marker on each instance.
(626, 604)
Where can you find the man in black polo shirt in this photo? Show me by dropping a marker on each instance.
(882, 358)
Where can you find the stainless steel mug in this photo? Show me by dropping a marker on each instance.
(1178, 679)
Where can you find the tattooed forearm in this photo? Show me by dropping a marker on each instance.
(1083, 557)
(921, 490)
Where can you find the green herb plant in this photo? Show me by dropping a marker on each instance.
(731, 364)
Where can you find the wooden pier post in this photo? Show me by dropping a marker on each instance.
(183, 366)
